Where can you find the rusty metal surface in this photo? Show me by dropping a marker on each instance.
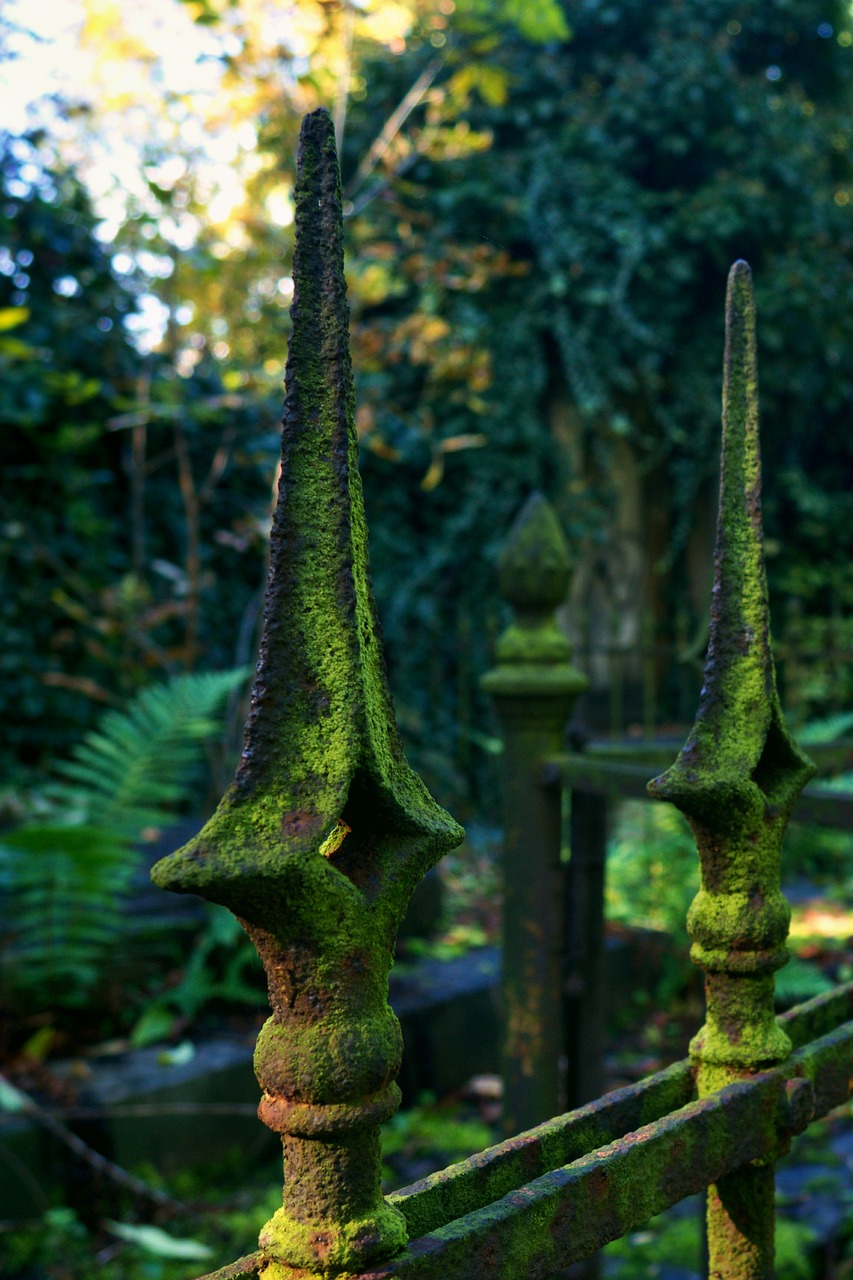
(567, 1214)
(825, 808)
(474, 1183)
(818, 1017)
(247, 1268)
(737, 780)
(582, 772)
(584, 995)
(325, 831)
(322, 837)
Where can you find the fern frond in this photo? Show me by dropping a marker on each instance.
(139, 764)
(827, 729)
(66, 889)
(65, 882)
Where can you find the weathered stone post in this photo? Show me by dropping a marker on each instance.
(534, 687)
(323, 835)
(737, 780)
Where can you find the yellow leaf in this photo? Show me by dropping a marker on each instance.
(39, 1045)
(492, 85)
(452, 444)
(14, 349)
(11, 317)
(434, 474)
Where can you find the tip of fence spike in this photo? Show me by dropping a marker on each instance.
(321, 741)
(739, 724)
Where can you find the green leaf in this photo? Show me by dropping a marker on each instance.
(826, 729)
(39, 1044)
(177, 1057)
(540, 22)
(67, 881)
(492, 83)
(800, 980)
(139, 764)
(11, 1100)
(14, 349)
(155, 1024)
(158, 1242)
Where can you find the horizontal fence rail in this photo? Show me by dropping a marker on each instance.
(597, 773)
(596, 1173)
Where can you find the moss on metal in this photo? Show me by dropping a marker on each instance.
(740, 773)
(320, 840)
(737, 780)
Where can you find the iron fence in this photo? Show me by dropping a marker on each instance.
(325, 832)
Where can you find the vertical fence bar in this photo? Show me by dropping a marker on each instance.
(584, 975)
(322, 837)
(737, 779)
(534, 688)
(648, 658)
(616, 681)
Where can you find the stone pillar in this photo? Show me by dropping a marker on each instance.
(534, 687)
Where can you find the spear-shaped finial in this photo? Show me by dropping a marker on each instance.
(737, 780)
(739, 773)
(325, 831)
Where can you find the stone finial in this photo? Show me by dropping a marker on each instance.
(534, 573)
(739, 773)
(325, 831)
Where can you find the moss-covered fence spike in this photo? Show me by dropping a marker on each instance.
(737, 780)
(325, 831)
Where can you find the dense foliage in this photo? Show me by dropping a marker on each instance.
(580, 260)
(65, 360)
(112, 464)
(541, 218)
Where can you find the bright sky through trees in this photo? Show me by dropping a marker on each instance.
(137, 88)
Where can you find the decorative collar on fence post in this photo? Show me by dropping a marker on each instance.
(320, 840)
(739, 774)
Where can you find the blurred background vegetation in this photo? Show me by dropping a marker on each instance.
(542, 205)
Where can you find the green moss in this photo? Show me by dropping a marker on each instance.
(327, 1248)
(323, 835)
(738, 921)
(321, 722)
(739, 760)
(530, 645)
(740, 773)
(331, 1061)
(535, 564)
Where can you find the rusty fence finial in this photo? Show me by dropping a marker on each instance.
(737, 780)
(325, 831)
